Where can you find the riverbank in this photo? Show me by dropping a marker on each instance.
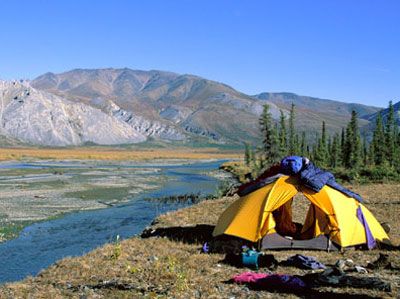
(41, 190)
(164, 268)
(45, 189)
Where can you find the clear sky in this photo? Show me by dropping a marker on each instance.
(337, 49)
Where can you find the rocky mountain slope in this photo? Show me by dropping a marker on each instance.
(110, 106)
(180, 106)
(39, 117)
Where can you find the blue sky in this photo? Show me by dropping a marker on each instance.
(342, 50)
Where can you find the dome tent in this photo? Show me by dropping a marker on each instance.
(334, 219)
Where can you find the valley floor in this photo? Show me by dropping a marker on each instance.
(34, 190)
(121, 154)
(164, 268)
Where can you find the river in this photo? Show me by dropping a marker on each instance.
(41, 244)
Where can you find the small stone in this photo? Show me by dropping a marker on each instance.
(360, 269)
(349, 263)
(153, 258)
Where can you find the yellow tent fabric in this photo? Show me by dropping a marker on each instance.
(332, 213)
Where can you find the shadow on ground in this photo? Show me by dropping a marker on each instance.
(199, 234)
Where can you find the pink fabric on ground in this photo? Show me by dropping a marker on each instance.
(247, 277)
(270, 281)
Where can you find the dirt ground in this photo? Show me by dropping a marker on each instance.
(160, 267)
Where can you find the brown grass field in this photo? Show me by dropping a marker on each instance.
(101, 153)
(162, 268)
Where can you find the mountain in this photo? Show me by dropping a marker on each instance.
(176, 105)
(385, 113)
(110, 106)
(37, 117)
(371, 118)
(310, 111)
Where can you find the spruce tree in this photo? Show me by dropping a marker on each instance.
(314, 155)
(248, 154)
(291, 141)
(378, 141)
(275, 153)
(390, 135)
(282, 135)
(321, 151)
(352, 153)
(335, 151)
(303, 145)
(329, 151)
(270, 137)
(324, 145)
(365, 157)
(296, 144)
(371, 154)
(342, 147)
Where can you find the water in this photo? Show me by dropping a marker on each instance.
(42, 244)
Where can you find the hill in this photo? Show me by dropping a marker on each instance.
(114, 106)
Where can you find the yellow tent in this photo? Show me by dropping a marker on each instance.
(331, 213)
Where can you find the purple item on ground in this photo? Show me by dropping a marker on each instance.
(304, 262)
(270, 281)
(205, 248)
(371, 243)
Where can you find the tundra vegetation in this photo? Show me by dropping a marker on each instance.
(107, 153)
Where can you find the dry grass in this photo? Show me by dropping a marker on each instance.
(238, 169)
(160, 268)
(99, 153)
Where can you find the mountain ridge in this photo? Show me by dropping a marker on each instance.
(183, 107)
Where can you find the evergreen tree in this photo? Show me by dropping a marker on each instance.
(365, 157)
(371, 154)
(321, 152)
(329, 151)
(303, 145)
(378, 141)
(342, 147)
(248, 154)
(291, 141)
(308, 151)
(270, 137)
(390, 135)
(275, 153)
(324, 145)
(335, 151)
(314, 155)
(352, 153)
(282, 135)
(297, 144)
(397, 151)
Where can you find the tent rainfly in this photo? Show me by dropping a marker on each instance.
(334, 220)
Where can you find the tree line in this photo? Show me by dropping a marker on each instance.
(348, 154)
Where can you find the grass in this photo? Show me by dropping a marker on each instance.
(162, 268)
(105, 153)
(12, 229)
(101, 193)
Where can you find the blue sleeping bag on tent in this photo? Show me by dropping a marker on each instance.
(291, 165)
(315, 178)
(310, 176)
